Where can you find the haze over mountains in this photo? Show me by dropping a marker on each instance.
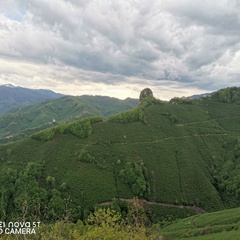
(24, 111)
(25, 118)
(11, 96)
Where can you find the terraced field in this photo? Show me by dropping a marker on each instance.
(182, 152)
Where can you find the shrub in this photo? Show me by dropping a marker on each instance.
(133, 115)
(133, 174)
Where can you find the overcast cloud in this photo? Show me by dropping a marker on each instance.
(117, 47)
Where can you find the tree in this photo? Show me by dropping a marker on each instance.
(109, 224)
(56, 205)
(29, 197)
(133, 175)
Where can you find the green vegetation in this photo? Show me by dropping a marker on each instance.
(103, 223)
(81, 129)
(29, 195)
(133, 174)
(109, 223)
(228, 95)
(133, 115)
(11, 96)
(219, 225)
(137, 114)
(23, 121)
(180, 158)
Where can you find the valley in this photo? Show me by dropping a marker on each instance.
(23, 121)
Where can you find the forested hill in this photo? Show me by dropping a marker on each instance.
(181, 152)
(12, 96)
(22, 121)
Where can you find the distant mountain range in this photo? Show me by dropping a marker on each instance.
(22, 121)
(201, 95)
(12, 96)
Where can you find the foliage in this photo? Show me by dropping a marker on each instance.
(190, 154)
(27, 120)
(223, 95)
(177, 100)
(150, 101)
(85, 156)
(133, 115)
(56, 206)
(167, 214)
(218, 225)
(103, 223)
(237, 148)
(81, 129)
(7, 190)
(109, 224)
(226, 176)
(228, 95)
(133, 174)
(30, 198)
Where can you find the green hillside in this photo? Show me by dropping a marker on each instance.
(23, 121)
(220, 225)
(12, 96)
(182, 153)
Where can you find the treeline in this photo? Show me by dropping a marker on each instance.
(103, 223)
(133, 115)
(136, 176)
(226, 175)
(228, 95)
(81, 129)
(137, 114)
(30, 196)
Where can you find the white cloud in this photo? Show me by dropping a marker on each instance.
(106, 44)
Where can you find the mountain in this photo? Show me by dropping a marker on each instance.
(24, 120)
(200, 95)
(179, 157)
(11, 96)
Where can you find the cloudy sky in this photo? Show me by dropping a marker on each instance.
(119, 47)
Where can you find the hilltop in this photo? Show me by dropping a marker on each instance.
(12, 96)
(184, 152)
(22, 121)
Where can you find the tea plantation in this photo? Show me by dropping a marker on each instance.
(182, 152)
(220, 225)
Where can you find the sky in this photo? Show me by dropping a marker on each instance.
(118, 47)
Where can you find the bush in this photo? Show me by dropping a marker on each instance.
(133, 175)
(133, 115)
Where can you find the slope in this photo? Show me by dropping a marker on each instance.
(22, 121)
(11, 96)
(218, 225)
(182, 152)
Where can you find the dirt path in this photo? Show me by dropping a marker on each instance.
(196, 209)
